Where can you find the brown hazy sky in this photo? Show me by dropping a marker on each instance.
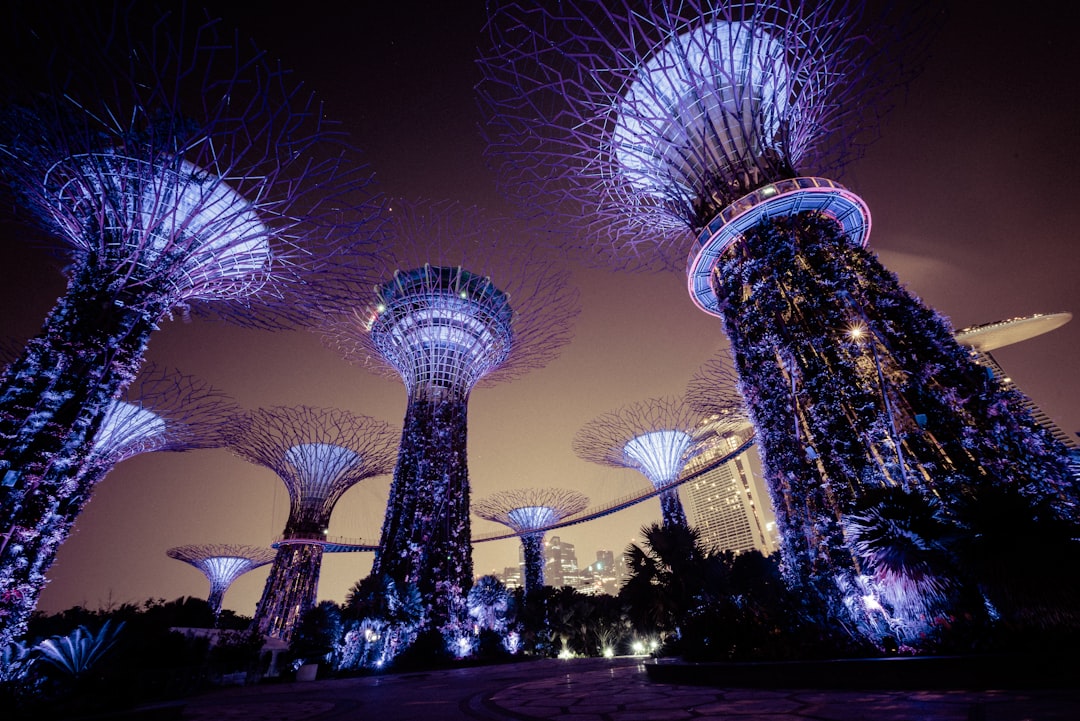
(973, 190)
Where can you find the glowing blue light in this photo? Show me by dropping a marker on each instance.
(319, 466)
(711, 97)
(660, 455)
(532, 516)
(126, 424)
(169, 208)
(442, 327)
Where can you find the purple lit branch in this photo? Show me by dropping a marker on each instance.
(714, 391)
(222, 564)
(655, 437)
(164, 411)
(318, 454)
(638, 124)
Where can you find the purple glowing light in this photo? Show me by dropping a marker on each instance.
(442, 327)
(660, 455)
(711, 97)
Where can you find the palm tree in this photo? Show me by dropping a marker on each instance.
(670, 575)
(902, 540)
(489, 603)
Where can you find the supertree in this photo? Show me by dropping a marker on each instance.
(673, 121)
(461, 305)
(655, 437)
(176, 169)
(318, 453)
(528, 511)
(222, 563)
(162, 410)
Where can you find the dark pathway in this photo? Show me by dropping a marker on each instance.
(606, 690)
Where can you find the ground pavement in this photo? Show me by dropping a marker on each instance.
(606, 690)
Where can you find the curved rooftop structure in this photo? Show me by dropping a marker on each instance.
(991, 336)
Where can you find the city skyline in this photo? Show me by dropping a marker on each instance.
(943, 219)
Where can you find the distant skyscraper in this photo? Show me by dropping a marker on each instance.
(990, 336)
(561, 565)
(728, 503)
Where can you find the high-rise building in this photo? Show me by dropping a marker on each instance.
(728, 503)
(561, 565)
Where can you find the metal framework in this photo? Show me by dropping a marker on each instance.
(655, 437)
(527, 511)
(460, 305)
(222, 563)
(176, 169)
(641, 123)
(713, 392)
(318, 453)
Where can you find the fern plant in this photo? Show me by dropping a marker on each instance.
(80, 650)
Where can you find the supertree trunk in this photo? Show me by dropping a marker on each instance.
(54, 398)
(290, 590)
(834, 418)
(532, 544)
(426, 538)
(671, 509)
(216, 598)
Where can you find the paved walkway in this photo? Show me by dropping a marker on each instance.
(603, 690)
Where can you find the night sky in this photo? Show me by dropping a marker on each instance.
(973, 189)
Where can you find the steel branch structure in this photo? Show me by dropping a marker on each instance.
(461, 305)
(527, 511)
(318, 454)
(682, 119)
(713, 392)
(222, 564)
(655, 437)
(644, 121)
(176, 169)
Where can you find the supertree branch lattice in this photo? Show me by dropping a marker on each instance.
(702, 117)
(713, 392)
(466, 302)
(643, 123)
(174, 168)
(527, 511)
(222, 563)
(318, 454)
(655, 437)
(163, 410)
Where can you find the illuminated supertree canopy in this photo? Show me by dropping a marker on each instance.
(318, 454)
(643, 123)
(222, 563)
(527, 511)
(655, 437)
(163, 410)
(176, 169)
(460, 305)
(701, 118)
